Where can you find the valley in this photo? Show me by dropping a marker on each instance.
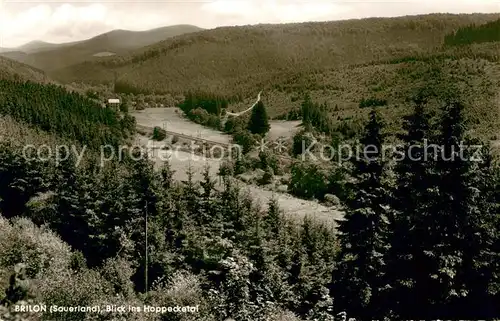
(274, 230)
(295, 208)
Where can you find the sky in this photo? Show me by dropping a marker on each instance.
(58, 21)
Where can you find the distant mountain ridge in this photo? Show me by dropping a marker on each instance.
(37, 46)
(50, 56)
(245, 59)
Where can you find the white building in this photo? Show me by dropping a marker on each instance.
(113, 103)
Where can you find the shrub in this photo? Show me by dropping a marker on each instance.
(301, 141)
(226, 169)
(159, 134)
(184, 289)
(92, 94)
(39, 249)
(372, 102)
(268, 159)
(234, 124)
(119, 273)
(202, 117)
(78, 261)
(85, 288)
(267, 178)
(124, 107)
(308, 180)
(245, 140)
(240, 166)
(198, 115)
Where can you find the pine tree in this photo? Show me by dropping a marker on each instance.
(145, 184)
(415, 186)
(306, 109)
(274, 218)
(20, 179)
(207, 216)
(466, 223)
(118, 209)
(358, 279)
(167, 175)
(259, 122)
(441, 258)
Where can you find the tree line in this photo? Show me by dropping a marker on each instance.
(219, 235)
(68, 114)
(488, 32)
(420, 238)
(425, 243)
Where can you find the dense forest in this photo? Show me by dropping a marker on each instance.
(419, 236)
(210, 102)
(69, 114)
(487, 32)
(420, 239)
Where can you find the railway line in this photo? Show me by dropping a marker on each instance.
(201, 141)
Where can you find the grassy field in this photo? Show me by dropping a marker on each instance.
(173, 120)
(295, 208)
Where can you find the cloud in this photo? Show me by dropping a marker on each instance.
(57, 24)
(259, 11)
(21, 22)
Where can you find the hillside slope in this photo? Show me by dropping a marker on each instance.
(13, 70)
(340, 63)
(37, 46)
(51, 56)
(56, 110)
(241, 60)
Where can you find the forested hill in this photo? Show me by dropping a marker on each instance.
(211, 248)
(489, 32)
(13, 70)
(54, 56)
(68, 114)
(242, 59)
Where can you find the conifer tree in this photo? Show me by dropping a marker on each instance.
(259, 121)
(20, 179)
(441, 259)
(358, 279)
(415, 186)
(465, 223)
(72, 215)
(145, 184)
(274, 218)
(167, 175)
(306, 109)
(207, 215)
